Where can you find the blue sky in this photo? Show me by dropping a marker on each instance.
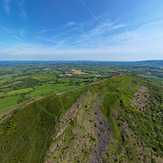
(113, 30)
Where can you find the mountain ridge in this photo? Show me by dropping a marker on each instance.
(98, 122)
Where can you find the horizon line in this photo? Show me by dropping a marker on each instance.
(73, 61)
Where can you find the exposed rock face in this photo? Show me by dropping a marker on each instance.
(63, 124)
(96, 130)
(100, 143)
(54, 146)
(103, 135)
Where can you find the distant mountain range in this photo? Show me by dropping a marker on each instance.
(153, 63)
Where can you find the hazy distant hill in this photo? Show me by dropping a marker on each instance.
(153, 63)
(158, 63)
(115, 120)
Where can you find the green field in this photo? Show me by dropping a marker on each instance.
(19, 91)
(8, 103)
(50, 89)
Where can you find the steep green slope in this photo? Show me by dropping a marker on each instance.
(25, 136)
(116, 120)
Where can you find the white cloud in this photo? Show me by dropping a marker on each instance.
(13, 33)
(101, 28)
(22, 12)
(6, 6)
(20, 4)
(89, 10)
(119, 26)
(101, 42)
(45, 30)
(70, 24)
(128, 51)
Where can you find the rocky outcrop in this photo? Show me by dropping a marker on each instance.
(103, 133)
(63, 124)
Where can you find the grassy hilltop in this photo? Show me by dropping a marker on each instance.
(117, 119)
